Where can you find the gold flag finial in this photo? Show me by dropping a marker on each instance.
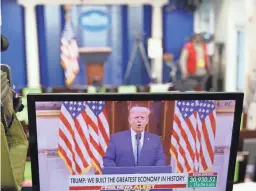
(67, 11)
(67, 7)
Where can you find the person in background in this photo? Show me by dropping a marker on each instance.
(194, 60)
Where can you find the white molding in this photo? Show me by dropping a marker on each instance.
(32, 53)
(157, 33)
(26, 3)
(94, 2)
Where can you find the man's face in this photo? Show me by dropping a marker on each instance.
(198, 39)
(138, 121)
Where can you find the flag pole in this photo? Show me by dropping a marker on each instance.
(67, 12)
(164, 122)
(71, 75)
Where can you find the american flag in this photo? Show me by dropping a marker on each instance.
(69, 53)
(191, 137)
(183, 135)
(206, 131)
(83, 135)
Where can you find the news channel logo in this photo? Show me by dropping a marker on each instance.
(95, 20)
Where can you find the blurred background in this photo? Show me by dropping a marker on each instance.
(135, 46)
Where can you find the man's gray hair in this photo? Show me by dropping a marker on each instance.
(140, 109)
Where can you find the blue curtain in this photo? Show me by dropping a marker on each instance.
(135, 30)
(178, 26)
(124, 17)
(147, 22)
(41, 29)
(13, 29)
(53, 29)
(113, 72)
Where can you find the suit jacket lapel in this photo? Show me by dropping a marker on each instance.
(144, 147)
(130, 146)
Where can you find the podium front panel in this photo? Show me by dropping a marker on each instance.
(95, 71)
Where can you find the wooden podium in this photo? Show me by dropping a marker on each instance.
(94, 59)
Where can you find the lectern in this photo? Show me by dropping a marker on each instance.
(139, 170)
(94, 59)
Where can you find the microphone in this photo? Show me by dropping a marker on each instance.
(4, 43)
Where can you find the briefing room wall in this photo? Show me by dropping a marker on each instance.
(50, 21)
(13, 29)
(53, 28)
(178, 26)
(112, 37)
(121, 36)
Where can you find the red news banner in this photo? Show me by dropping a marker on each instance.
(142, 181)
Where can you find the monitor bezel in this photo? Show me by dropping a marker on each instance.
(168, 96)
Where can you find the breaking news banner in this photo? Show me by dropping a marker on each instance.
(142, 181)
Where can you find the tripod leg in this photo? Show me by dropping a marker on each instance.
(145, 59)
(174, 72)
(130, 63)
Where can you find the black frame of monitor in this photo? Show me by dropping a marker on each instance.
(168, 96)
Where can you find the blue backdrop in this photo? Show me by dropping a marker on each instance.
(13, 29)
(126, 23)
(178, 26)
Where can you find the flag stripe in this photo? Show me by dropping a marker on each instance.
(193, 136)
(75, 139)
(176, 144)
(180, 146)
(184, 136)
(213, 122)
(174, 150)
(66, 158)
(102, 124)
(64, 138)
(207, 141)
(81, 147)
(81, 141)
(81, 137)
(198, 147)
(205, 158)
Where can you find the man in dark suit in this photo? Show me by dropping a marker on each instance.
(135, 147)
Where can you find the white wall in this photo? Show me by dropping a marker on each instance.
(204, 21)
(233, 15)
(221, 20)
(230, 14)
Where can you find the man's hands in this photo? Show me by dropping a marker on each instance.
(167, 57)
(184, 76)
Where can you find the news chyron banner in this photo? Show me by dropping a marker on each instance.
(143, 181)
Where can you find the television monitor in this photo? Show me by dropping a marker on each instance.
(145, 141)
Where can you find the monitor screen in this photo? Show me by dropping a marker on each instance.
(179, 143)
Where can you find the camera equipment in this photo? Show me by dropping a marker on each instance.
(4, 43)
(10, 101)
(189, 5)
(138, 46)
(207, 37)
